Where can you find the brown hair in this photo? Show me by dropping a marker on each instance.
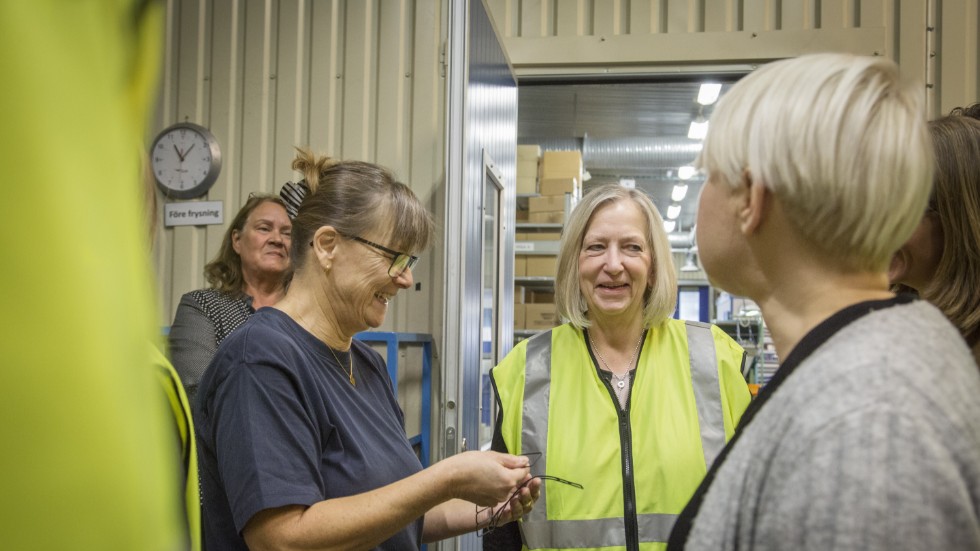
(953, 288)
(972, 111)
(354, 197)
(224, 273)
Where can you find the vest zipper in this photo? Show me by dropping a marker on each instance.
(629, 488)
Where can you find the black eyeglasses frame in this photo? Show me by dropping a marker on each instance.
(395, 256)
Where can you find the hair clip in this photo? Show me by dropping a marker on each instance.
(292, 195)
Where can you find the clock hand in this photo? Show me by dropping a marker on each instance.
(189, 149)
(179, 154)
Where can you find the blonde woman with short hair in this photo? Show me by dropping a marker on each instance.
(868, 435)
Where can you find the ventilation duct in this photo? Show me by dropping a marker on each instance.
(627, 155)
(681, 240)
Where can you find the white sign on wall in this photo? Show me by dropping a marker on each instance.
(193, 213)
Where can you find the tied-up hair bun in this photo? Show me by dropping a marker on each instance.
(293, 194)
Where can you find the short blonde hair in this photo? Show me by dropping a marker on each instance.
(841, 141)
(660, 299)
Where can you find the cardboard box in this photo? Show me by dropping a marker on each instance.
(539, 297)
(540, 265)
(527, 185)
(519, 316)
(546, 203)
(525, 152)
(560, 186)
(540, 316)
(520, 266)
(561, 164)
(527, 168)
(537, 236)
(547, 217)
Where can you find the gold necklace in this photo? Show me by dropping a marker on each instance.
(351, 374)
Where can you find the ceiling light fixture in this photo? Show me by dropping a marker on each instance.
(686, 172)
(673, 212)
(698, 129)
(678, 193)
(708, 93)
(669, 225)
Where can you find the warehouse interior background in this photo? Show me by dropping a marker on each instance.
(433, 88)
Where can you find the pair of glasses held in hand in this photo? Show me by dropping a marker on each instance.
(495, 514)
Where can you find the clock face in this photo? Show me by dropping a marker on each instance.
(186, 160)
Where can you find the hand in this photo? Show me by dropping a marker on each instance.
(486, 478)
(520, 503)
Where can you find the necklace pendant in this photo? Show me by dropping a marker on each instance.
(352, 378)
(620, 384)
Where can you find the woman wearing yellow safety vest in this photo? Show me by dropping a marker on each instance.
(622, 400)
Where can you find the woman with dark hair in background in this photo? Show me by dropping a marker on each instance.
(250, 271)
(868, 435)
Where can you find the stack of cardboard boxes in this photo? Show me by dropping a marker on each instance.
(527, 169)
(553, 190)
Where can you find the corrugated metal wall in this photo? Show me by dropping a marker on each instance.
(489, 134)
(364, 79)
(932, 40)
(482, 135)
(357, 79)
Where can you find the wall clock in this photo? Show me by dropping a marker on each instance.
(185, 159)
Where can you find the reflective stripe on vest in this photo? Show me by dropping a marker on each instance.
(707, 390)
(539, 532)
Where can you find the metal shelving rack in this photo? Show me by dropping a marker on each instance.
(749, 333)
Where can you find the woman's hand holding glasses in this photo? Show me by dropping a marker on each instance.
(485, 478)
(520, 502)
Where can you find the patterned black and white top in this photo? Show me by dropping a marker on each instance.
(204, 318)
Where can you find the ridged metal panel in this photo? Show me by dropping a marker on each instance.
(482, 127)
(932, 40)
(491, 129)
(957, 51)
(351, 78)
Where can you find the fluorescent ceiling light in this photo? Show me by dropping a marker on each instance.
(673, 211)
(686, 172)
(678, 193)
(628, 182)
(708, 93)
(669, 225)
(698, 129)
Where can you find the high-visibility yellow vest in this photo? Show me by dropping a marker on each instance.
(88, 461)
(686, 397)
(180, 407)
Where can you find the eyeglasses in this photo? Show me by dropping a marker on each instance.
(495, 515)
(399, 261)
